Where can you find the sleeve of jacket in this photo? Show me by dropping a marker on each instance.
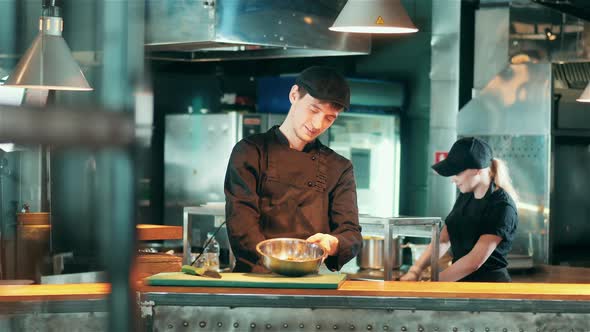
(344, 221)
(242, 208)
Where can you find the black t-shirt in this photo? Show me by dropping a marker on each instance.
(495, 214)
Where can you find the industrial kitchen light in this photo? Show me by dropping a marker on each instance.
(585, 96)
(48, 64)
(374, 16)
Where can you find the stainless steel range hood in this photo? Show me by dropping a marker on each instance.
(208, 30)
(525, 55)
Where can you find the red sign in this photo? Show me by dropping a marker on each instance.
(440, 156)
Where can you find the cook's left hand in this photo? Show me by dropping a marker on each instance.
(327, 241)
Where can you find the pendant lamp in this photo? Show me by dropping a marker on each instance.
(48, 64)
(374, 16)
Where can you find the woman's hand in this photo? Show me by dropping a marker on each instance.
(413, 274)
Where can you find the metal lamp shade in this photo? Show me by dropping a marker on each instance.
(374, 16)
(48, 64)
(585, 96)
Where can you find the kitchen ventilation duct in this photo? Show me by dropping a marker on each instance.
(574, 76)
(247, 29)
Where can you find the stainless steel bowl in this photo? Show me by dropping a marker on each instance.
(291, 257)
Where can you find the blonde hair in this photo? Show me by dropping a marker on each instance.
(499, 172)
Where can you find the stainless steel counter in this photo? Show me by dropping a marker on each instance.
(70, 307)
(379, 306)
(356, 305)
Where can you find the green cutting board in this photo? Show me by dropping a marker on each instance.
(317, 281)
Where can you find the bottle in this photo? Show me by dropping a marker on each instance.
(211, 253)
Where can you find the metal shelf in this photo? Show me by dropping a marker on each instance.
(427, 227)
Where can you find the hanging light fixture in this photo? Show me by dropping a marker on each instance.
(48, 64)
(374, 16)
(585, 96)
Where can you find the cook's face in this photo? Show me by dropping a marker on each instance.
(467, 180)
(311, 117)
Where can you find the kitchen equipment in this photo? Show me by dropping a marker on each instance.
(251, 280)
(32, 244)
(291, 257)
(210, 237)
(390, 228)
(197, 148)
(153, 263)
(246, 29)
(371, 255)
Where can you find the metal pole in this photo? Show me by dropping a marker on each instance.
(116, 208)
(123, 66)
(435, 251)
(186, 238)
(3, 165)
(387, 247)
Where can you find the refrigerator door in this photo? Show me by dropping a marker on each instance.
(196, 151)
(197, 148)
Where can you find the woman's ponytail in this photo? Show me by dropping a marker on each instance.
(501, 176)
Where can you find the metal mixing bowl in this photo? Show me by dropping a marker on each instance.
(291, 257)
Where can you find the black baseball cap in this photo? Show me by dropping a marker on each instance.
(326, 84)
(466, 153)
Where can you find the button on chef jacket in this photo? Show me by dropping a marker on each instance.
(274, 191)
(470, 218)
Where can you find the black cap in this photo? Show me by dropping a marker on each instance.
(326, 84)
(466, 153)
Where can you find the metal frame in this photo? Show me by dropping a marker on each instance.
(173, 318)
(427, 227)
(345, 301)
(218, 214)
(53, 307)
(339, 310)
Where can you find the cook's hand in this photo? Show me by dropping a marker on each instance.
(327, 241)
(412, 275)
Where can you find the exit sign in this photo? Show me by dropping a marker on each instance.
(440, 156)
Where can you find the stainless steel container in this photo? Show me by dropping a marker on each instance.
(371, 255)
(291, 257)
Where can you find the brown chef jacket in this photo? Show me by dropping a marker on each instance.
(274, 191)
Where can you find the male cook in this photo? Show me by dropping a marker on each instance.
(286, 183)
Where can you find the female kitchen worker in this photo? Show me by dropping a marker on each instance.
(480, 228)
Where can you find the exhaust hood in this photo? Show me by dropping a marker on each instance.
(209, 30)
(517, 99)
(579, 8)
